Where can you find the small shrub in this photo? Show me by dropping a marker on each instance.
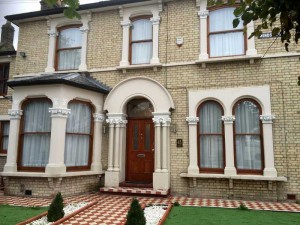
(56, 211)
(135, 214)
(176, 204)
(243, 207)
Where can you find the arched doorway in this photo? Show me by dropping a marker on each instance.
(140, 142)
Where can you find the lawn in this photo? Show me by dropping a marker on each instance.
(10, 215)
(219, 216)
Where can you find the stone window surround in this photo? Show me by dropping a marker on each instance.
(53, 24)
(126, 14)
(60, 95)
(203, 13)
(227, 98)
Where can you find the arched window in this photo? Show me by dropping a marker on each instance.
(35, 134)
(224, 40)
(211, 137)
(79, 136)
(141, 40)
(248, 137)
(68, 51)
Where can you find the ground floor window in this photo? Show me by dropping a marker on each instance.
(4, 132)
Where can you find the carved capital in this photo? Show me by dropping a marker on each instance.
(203, 14)
(84, 29)
(192, 120)
(228, 119)
(15, 114)
(267, 118)
(126, 23)
(99, 117)
(59, 112)
(52, 33)
(116, 121)
(155, 20)
(161, 120)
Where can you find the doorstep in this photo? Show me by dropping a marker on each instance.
(135, 191)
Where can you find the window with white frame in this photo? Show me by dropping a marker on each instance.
(79, 136)
(211, 137)
(224, 40)
(4, 133)
(35, 134)
(141, 40)
(248, 137)
(68, 52)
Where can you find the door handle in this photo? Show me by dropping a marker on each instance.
(141, 155)
(153, 149)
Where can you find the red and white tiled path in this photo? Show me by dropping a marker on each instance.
(112, 209)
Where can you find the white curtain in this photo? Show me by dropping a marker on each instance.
(69, 59)
(211, 138)
(141, 31)
(225, 44)
(5, 133)
(248, 142)
(78, 135)
(37, 129)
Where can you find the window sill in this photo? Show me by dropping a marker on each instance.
(250, 58)
(234, 177)
(139, 66)
(3, 154)
(39, 174)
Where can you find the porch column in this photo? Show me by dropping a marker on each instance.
(125, 45)
(97, 147)
(157, 144)
(12, 151)
(56, 162)
(117, 147)
(165, 127)
(229, 145)
(155, 21)
(111, 145)
(193, 166)
(267, 121)
(203, 14)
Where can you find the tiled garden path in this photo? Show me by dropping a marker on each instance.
(112, 209)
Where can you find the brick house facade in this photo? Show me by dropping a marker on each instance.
(182, 76)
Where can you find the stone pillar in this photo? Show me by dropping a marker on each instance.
(97, 144)
(12, 152)
(267, 121)
(125, 45)
(51, 50)
(203, 14)
(56, 163)
(84, 36)
(251, 50)
(165, 131)
(193, 166)
(111, 145)
(155, 21)
(229, 145)
(117, 147)
(157, 145)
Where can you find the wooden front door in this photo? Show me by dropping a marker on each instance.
(140, 151)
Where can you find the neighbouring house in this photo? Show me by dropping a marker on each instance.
(164, 93)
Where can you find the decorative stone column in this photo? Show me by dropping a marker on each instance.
(267, 121)
(155, 21)
(193, 166)
(12, 153)
(203, 14)
(161, 176)
(56, 164)
(84, 36)
(229, 145)
(251, 50)
(97, 144)
(113, 173)
(51, 50)
(125, 45)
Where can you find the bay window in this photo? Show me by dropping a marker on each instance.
(79, 136)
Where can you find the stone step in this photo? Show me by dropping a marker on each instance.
(135, 191)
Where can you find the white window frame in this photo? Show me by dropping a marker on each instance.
(126, 14)
(227, 98)
(53, 24)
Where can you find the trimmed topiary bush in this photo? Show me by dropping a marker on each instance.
(135, 214)
(56, 209)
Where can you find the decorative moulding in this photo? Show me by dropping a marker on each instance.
(192, 120)
(267, 118)
(99, 117)
(203, 14)
(228, 119)
(15, 114)
(57, 112)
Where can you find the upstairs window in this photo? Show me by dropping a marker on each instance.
(4, 75)
(248, 137)
(79, 136)
(141, 41)
(4, 132)
(68, 51)
(224, 40)
(211, 137)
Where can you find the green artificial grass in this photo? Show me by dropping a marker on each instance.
(218, 216)
(10, 215)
